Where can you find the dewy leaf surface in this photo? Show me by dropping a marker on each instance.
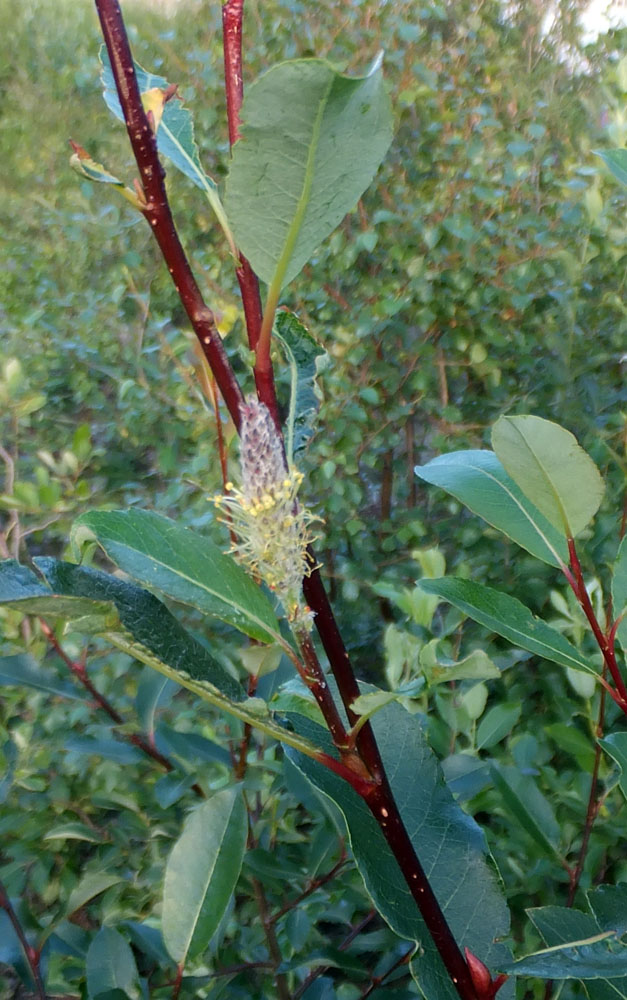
(306, 359)
(448, 842)
(181, 564)
(551, 468)
(201, 873)
(479, 481)
(311, 143)
(510, 618)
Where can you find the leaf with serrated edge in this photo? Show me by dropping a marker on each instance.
(175, 134)
(306, 359)
(181, 564)
(311, 142)
(478, 479)
(510, 618)
(551, 468)
(146, 630)
(451, 848)
(201, 873)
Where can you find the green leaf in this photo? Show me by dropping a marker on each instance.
(497, 724)
(91, 885)
(616, 160)
(508, 617)
(479, 481)
(527, 806)
(201, 873)
(306, 359)
(74, 831)
(477, 666)
(584, 958)
(609, 905)
(449, 844)
(23, 670)
(175, 132)
(616, 746)
(311, 143)
(569, 739)
(82, 163)
(21, 589)
(619, 592)
(182, 565)
(551, 469)
(146, 630)
(111, 966)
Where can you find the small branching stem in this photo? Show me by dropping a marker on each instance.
(79, 671)
(32, 955)
(232, 18)
(157, 208)
(604, 642)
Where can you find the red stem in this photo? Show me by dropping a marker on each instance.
(31, 954)
(157, 210)
(77, 669)
(232, 18)
(603, 641)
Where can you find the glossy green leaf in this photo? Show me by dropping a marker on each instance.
(183, 565)
(616, 160)
(311, 143)
(616, 746)
(609, 905)
(619, 592)
(508, 617)
(552, 470)
(201, 873)
(175, 132)
(449, 844)
(306, 360)
(479, 481)
(23, 670)
(21, 589)
(111, 966)
(146, 630)
(584, 958)
(526, 805)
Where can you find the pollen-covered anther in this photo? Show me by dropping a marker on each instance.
(272, 529)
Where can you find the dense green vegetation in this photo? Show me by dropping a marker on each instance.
(483, 272)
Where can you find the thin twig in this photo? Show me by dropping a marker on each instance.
(31, 954)
(79, 672)
(272, 941)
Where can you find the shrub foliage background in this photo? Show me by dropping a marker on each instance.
(486, 266)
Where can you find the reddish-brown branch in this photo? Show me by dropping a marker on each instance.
(385, 811)
(312, 886)
(31, 954)
(79, 672)
(606, 647)
(272, 941)
(157, 209)
(593, 806)
(232, 18)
